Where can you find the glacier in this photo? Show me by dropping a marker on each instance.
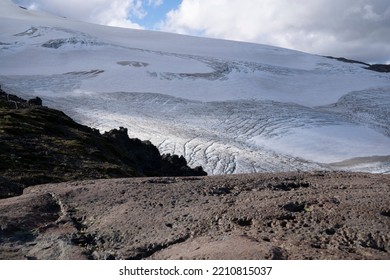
(232, 107)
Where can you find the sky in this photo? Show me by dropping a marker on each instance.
(355, 29)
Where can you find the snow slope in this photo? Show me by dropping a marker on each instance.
(231, 107)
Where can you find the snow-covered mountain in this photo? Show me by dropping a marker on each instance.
(231, 107)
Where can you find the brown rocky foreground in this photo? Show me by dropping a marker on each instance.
(257, 216)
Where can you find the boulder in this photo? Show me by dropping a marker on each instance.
(35, 101)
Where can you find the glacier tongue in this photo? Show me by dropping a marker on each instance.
(228, 106)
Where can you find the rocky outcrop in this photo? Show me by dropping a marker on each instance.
(10, 101)
(384, 68)
(35, 101)
(346, 60)
(146, 157)
(42, 145)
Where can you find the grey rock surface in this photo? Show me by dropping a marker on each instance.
(321, 215)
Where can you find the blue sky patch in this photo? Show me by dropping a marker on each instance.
(155, 14)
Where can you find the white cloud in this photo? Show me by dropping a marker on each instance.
(106, 12)
(357, 29)
(155, 3)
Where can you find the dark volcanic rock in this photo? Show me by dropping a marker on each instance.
(146, 157)
(384, 68)
(40, 145)
(343, 59)
(35, 101)
(379, 68)
(9, 188)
